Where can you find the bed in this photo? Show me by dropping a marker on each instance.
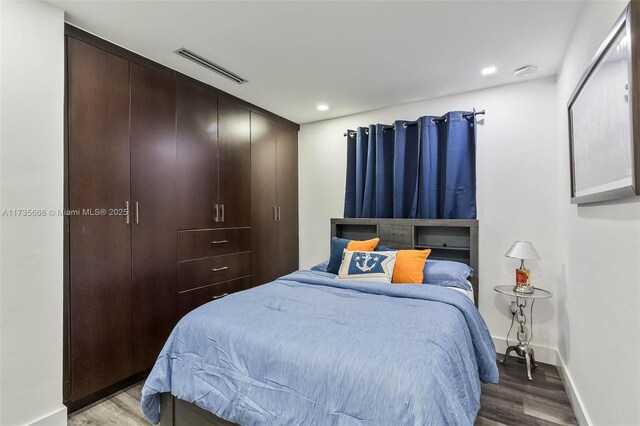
(311, 349)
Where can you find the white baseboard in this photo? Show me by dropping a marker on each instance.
(543, 353)
(574, 397)
(57, 418)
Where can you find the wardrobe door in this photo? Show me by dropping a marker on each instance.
(234, 162)
(153, 196)
(287, 198)
(99, 245)
(197, 126)
(263, 199)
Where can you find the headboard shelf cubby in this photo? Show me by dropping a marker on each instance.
(448, 239)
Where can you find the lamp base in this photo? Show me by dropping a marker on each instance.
(523, 289)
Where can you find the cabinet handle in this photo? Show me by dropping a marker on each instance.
(137, 213)
(219, 269)
(127, 218)
(275, 213)
(216, 215)
(221, 212)
(220, 296)
(278, 213)
(220, 242)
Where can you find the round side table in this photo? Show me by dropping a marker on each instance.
(522, 349)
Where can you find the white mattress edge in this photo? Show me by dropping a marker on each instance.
(468, 293)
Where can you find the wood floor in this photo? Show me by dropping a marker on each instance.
(518, 401)
(514, 401)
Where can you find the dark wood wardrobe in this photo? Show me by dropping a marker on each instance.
(274, 198)
(214, 227)
(162, 181)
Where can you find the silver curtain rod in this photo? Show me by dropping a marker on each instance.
(352, 133)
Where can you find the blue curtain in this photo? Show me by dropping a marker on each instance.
(422, 169)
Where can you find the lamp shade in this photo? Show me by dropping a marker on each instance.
(523, 250)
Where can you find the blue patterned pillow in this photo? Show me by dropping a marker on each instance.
(338, 245)
(367, 266)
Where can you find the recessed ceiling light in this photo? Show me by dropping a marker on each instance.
(323, 107)
(488, 70)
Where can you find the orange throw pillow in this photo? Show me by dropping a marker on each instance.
(409, 267)
(366, 245)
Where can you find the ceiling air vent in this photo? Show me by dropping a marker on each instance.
(208, 64)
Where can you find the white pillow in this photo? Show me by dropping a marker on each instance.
(367, 265)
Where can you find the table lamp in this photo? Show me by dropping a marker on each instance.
(523, 250)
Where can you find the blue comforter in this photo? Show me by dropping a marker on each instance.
(308, 349)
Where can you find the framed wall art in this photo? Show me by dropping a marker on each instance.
(604, 121)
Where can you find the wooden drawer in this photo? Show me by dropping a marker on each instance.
(212, 242)
(210, 270)
(189, 300)
(396, 236)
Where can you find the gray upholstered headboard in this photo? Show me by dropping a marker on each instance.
(448, 239)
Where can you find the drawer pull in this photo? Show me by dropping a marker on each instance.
(220, 242)
(219, 269)
(220, 296)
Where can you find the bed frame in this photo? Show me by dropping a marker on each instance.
(176, 412)
(448, 239)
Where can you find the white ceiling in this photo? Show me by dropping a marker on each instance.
(354, 56)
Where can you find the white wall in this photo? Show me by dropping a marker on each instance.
(516, 188)
(31, 177)
(599, 265)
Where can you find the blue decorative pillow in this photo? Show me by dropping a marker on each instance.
(447, 273)
(322, 267)
(338, 245)
(367, 266)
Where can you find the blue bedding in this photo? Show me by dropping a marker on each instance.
(308, 349)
